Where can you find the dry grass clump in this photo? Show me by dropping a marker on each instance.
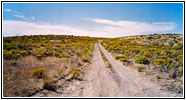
(74, 71)
(31, 74)
(85, 59)
(18, 83)
(140, 68)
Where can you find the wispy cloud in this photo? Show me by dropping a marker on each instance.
(132, 27)
(32, 18)
(19, 16)
(7, 10)
(108, 28)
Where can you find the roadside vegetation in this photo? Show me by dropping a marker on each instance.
(32, 63)
(157, 55)
(107, 63)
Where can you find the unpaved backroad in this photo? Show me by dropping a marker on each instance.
(118, 82)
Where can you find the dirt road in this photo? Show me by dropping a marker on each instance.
(118, 82)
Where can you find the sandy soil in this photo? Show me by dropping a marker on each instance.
(118, 82)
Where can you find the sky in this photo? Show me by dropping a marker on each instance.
(92, 19)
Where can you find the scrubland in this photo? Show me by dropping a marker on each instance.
(158, 56)
(34, 63)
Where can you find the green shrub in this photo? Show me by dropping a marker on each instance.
(148, 54)
(7, 40)
(21, 46)
(109, 65)
(65, 54)
(7, 54)
(13, 63)
(38, 56)
(140, 68)
(142, 60)
(180, 69)
(39, 73)
(23, 53)
(161, 62)
(150, 37)
(123, 59)
(179, 46)
(56, 54)
(85, 59)
(119, 57)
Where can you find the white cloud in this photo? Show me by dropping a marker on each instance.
(8, 10)
(19, 16)
(32, 18)
(12, 27)
(133, 28)
(108, 28)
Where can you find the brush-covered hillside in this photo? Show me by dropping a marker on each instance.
(158, 56)
(33, 63)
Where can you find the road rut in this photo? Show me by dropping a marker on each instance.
(118, 82)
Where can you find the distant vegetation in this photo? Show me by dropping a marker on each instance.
(43, 46)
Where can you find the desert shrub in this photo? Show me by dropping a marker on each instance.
(5, 77)
(48, 84)
(65, 54)
(90, 54)
(60, 71)
(161, 61)
(172, 73)
(179, 46)
(140, 68)
(170, 65)
(78, 53)
(142, 60)
(39, 73)
(7, 40)
(9, 46)
(85, 59)
(23, 53)
(169, 60)
(158, 77)
(109, 65)
(150, 37)
(38, 56)
(123, 59)
(148, 54)
(171, 42)
(119, 57)
(7, 54)
(56, 54)
(75, 71)
(21, 46)
(16, 56)
(91, 48)
(13, 63)
(180, 69)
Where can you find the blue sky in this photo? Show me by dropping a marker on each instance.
(92, 19)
